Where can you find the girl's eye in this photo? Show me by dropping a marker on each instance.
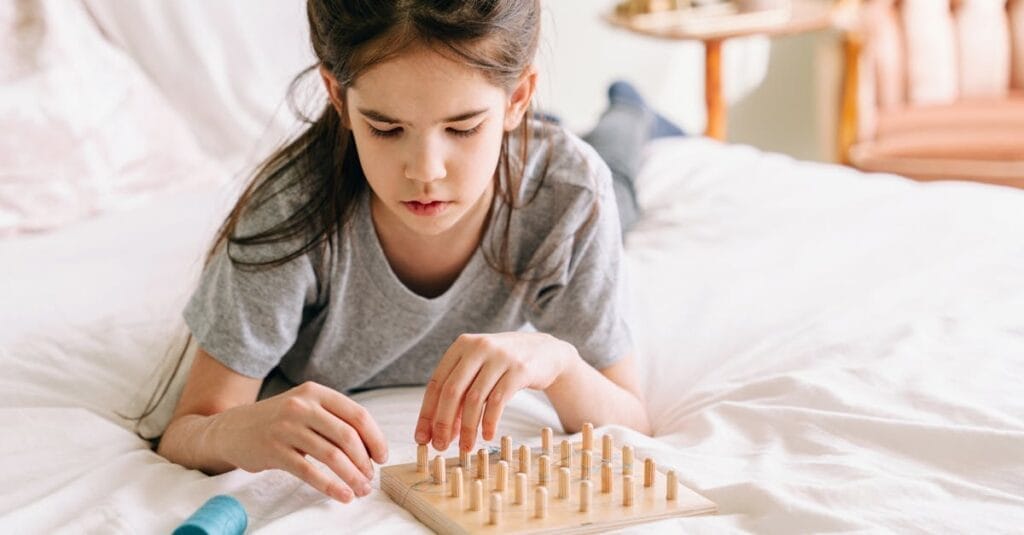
(385, 133)
(464, 133)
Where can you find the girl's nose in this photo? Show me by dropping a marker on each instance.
(426, 163)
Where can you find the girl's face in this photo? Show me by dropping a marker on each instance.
(428, 131)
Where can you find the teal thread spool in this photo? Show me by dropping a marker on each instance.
(220, 515)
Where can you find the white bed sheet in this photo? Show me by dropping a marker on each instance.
(822, 350)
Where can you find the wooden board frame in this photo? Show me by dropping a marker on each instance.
(433, 505)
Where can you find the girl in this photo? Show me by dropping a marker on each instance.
(406, 237)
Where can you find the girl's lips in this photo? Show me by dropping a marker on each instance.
(426, 209)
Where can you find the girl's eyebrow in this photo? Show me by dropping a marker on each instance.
(382, 118)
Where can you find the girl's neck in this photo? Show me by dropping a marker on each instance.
(428, 265)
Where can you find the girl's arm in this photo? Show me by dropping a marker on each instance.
(582, 394)
(480, 372)
(218, 425)
(211, 389)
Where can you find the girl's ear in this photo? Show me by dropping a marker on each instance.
(519, 100)
(336, 94)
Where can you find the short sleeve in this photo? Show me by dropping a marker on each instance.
(584, 301)
(248, 317)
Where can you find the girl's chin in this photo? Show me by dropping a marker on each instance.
(429, 226)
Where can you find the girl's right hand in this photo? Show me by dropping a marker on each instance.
(312, 419)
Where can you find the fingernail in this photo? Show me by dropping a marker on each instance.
(438, 445)
(365, 489)
(421, 437)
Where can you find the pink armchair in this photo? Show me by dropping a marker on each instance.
(934, 89)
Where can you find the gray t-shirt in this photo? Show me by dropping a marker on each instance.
(345, 320)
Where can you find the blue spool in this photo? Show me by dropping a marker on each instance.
(220, 515)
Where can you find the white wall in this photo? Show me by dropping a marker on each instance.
(796, 109)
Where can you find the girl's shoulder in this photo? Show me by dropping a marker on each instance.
(566, 198)
(558, 158)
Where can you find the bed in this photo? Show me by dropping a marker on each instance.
(822, 350)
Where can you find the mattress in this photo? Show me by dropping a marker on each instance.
(821, 350)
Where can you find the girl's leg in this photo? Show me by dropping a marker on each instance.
(619, 137)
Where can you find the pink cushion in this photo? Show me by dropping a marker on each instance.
(930, 52)
(869, 157)
(1016, 13)
(1005, 113)
(978, 140)
(983, 46)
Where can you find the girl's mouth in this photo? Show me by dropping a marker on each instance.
(426, 208)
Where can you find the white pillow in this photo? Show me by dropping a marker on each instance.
(85, 131)
(225, 65)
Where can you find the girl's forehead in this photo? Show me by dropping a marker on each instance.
(419, 62)
(421, 84)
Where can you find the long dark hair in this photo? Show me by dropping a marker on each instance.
(497, 37)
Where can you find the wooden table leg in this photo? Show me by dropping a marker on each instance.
(713, 89)
(851, 84)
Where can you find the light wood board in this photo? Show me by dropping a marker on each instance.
(433, 505)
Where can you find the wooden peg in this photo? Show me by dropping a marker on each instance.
(464, 460)
(477, 496)
(671, 484)
(440, 470)
(457, 482)
(627, 460)
(588, 436)
(563, 482)
(543, 470)
(586, 462)
(606, 478)
(627, 490)
(501, 482)
(545, 441)
(521, 485)
(482, 464)
(566, 456)
(540, 501)
(421, 458)
(506, 449)
(606, 449)
(586, 490)
(524, 460)
(495, 517)
(648, 472)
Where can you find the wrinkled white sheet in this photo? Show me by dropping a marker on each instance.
(823, 351)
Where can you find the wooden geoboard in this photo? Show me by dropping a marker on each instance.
(503, 508)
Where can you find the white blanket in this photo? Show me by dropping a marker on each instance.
(822, 350)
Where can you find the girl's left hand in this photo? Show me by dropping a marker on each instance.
(476, 377)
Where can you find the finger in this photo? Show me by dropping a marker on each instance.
(506, 387)
(453, 392)
(448, 362)
(297, 465)
(360, 419)
(344, 437)
(476, 396)
(337, 460)
(457, 424)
